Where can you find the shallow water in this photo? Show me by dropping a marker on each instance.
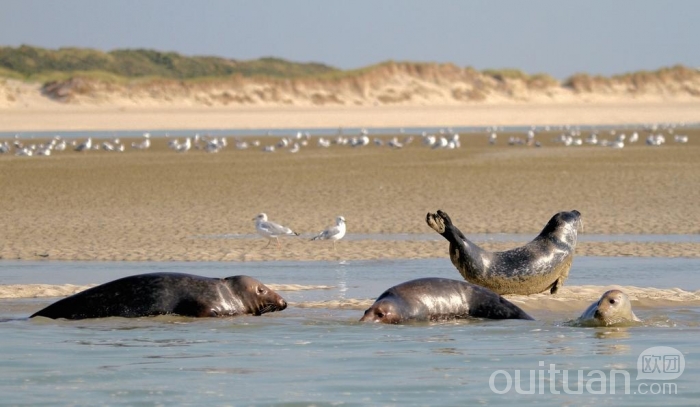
(322, 355)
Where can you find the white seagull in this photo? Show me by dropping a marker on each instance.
(271, 229)
(333, 233)
(86, 145)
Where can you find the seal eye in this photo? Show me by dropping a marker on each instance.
(261, 290)
(612, 301)
(380, 314)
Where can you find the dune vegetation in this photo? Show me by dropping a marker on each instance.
(140, 76)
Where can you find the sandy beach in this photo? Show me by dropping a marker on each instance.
(158, 205)
(43, 115)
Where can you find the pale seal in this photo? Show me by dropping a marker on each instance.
(435, 299)
(168, 293)
(613, 308)
(542, 264)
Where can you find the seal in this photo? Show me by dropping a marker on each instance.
(613, 308)
(438, 299)
(542, 264)
(168, 293)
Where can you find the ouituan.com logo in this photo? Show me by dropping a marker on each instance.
(659, 363)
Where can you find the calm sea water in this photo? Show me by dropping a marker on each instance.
(322, 356)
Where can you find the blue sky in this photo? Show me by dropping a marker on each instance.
(557, 37)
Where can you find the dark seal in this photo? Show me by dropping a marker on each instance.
(168, 293)
(542, 264)
(437, 299)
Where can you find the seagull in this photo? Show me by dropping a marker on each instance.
(86, 145)
(271, 229)
(334, 232)
(184, 147)
(144, 144)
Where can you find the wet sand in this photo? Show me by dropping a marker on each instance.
(159, 205)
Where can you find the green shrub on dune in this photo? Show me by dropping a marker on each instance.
(32, 62)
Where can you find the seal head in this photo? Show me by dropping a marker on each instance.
(256, 297)
(385, 310)
(613, 308)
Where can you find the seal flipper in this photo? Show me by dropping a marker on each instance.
(555, 285)
(441, 223)
(190, 307)
(436, 222)
(492, 306)
(466, 256)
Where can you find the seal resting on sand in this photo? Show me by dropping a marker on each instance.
(542, 264)
(168, 293)
(613, 308)
(435, 299)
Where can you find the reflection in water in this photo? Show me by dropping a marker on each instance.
(612, 348)
(612, 333)
(559, 345)
(560, 350)
(447, 351)
(341, 279)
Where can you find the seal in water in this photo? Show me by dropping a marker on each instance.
(435, 299)
(612, 308)
(168, 293)
(542, 264)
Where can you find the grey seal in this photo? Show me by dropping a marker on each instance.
(435, 299)
(168, 293)
(613, 308)
(542, 264)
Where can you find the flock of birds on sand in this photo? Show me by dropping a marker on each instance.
(573, 136)
(272, 230)
(443, 139)
(59, 144)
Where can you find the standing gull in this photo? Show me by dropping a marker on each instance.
(271, 229)
(334, 232)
